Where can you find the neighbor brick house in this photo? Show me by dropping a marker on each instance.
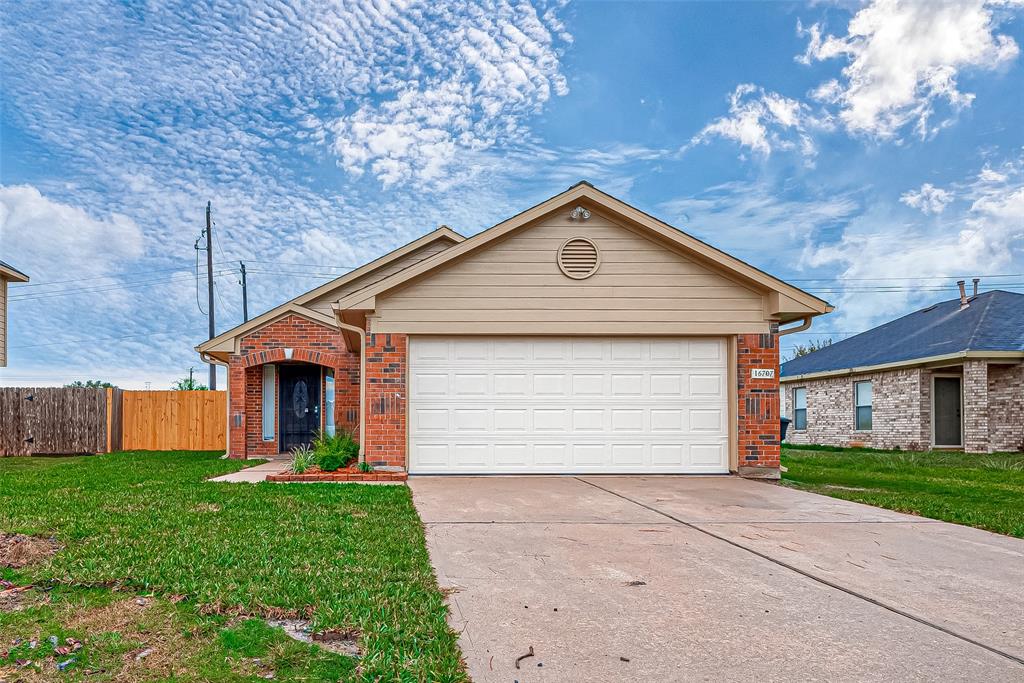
(948, 376)
(8, 273)
(580, 335)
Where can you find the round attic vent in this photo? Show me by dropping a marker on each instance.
(578, 258)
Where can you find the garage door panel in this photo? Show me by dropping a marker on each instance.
(568, 405)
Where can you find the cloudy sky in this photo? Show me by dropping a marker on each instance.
(869, 152)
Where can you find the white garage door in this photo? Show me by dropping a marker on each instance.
(560, 405)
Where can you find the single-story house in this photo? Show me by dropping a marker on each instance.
(8, 273)
(580, 335)
(948, 376)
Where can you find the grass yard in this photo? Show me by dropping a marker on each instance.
(155, 558)
(984, 491)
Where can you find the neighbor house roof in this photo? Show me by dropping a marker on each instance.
(791, 302)
(9, 272)
(991, 325)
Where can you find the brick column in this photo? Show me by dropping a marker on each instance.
(975, 387)
(758, 409)
(236, 409)
(386, 399)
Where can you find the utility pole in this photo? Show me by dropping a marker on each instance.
(191, 382)
(245, 295)
(209, 284)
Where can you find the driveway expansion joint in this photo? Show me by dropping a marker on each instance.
(812, 576)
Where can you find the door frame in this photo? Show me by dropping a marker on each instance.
(960, 377)
(280, 400)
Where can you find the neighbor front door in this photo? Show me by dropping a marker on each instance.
(300, 405)
(947, 416)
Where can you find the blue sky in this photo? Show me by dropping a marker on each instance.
(870, 152)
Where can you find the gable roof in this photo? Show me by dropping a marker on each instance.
(993, 322)
(796, 299)
(297, 305)
(9, 272)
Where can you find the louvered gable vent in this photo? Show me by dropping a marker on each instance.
(578, 258)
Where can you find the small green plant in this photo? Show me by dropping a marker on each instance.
(303, 458)
(341, 445)
(365, 467)
(330, 462)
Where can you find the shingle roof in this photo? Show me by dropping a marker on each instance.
(994, 321)
(11, 270)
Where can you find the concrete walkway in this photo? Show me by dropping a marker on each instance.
(258, 473)
(715, 578)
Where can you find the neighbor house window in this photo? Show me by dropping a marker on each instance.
(862, 399)
(800, 408)
(269, 401)
(329, 403)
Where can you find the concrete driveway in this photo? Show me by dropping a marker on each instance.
(715, 578)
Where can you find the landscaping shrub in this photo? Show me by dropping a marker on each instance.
(365, 467)
(303, 459)
(330, 462)
(341, 445)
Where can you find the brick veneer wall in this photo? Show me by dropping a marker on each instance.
(386, 399)
(758, 409)
(1006, 407)
(975, 393)
(311, 342)
(896, 414)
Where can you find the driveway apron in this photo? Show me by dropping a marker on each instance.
(611, 578)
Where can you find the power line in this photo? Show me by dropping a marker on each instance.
(95, 339)
(109, 287)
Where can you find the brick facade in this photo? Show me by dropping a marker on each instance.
(758, 407)
(291, 339)
(993, 416)
(386, 399)
(1006, 407)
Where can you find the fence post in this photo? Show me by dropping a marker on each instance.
(110, 417)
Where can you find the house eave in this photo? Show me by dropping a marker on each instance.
(909, 363)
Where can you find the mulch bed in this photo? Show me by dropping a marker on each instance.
(350, 473)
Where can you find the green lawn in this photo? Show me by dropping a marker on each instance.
(214, 560)
(984, 491)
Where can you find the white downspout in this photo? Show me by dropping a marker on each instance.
(362, 382)
(227, 393)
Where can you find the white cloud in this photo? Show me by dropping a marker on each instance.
(55, 238)
(763, 121)
(727, 215)
(904, 57)
(985, 237)
(929, 199)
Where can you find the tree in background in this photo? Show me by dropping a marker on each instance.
(189, 383)
(90, 384)
(810, 347)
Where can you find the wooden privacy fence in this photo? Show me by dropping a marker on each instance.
(174, 420)
(47, 421)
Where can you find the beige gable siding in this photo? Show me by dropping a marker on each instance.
(3, 322)
(323, 303)
(516, 286)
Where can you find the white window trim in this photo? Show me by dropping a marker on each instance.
(806, 421)
(870, 405)
(269, 416)
(931, 415)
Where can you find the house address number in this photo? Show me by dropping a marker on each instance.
(762, 373)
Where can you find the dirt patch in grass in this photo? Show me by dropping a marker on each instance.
(19, 550)
(342, 642)
(14, 598)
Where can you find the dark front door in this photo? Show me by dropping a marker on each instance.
(300, 405)
(947, 412)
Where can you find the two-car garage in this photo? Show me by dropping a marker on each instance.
(568, 405)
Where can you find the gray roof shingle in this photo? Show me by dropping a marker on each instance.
(993, 322)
